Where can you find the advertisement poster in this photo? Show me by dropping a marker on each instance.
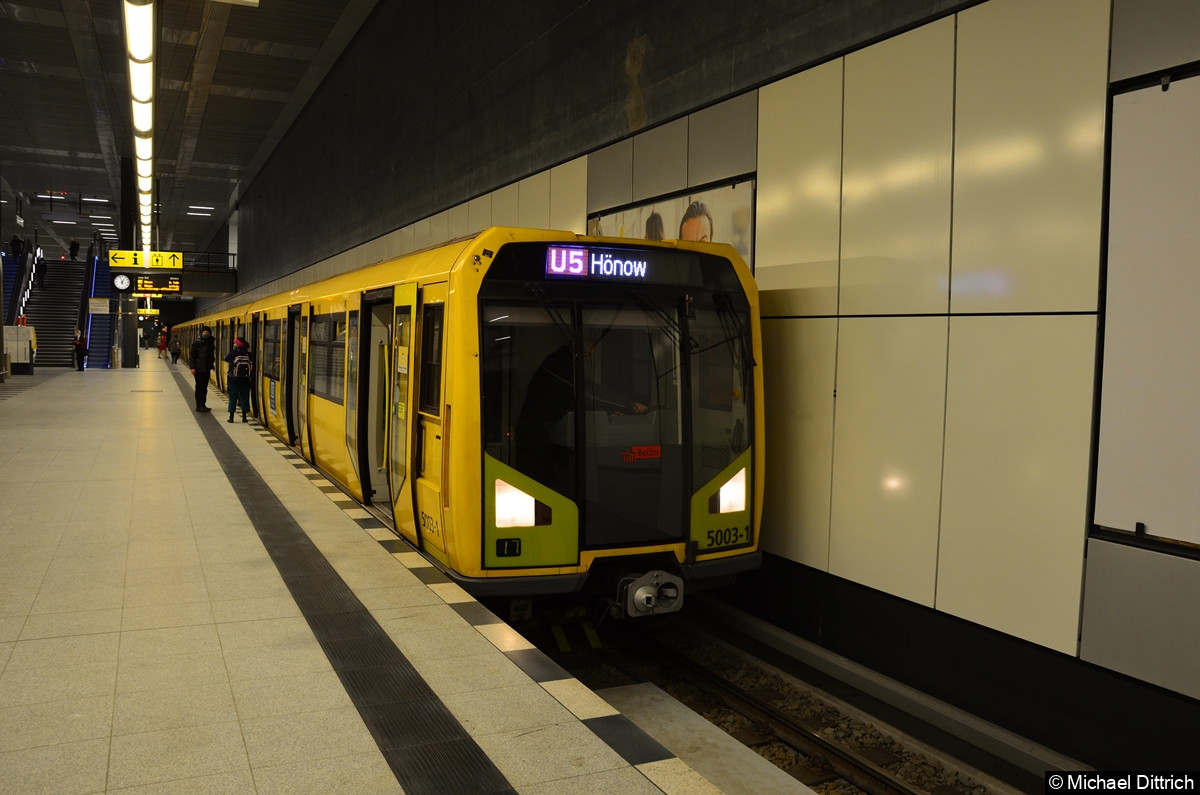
(721, 215)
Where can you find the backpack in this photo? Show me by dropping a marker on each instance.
(242, 367)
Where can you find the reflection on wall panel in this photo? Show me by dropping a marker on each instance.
(1014, 504)
(887, 455)
(896, 176)
(799, 192)
(1148, 463)
(799, 421)
(1029, 155)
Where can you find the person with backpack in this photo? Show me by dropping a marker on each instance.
(241, 370)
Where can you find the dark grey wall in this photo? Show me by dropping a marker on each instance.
(433, 104)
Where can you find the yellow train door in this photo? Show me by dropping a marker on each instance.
(299, 395)
(400, 412)
(433, 422)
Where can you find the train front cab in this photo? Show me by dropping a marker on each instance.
(649, 474)
(407, 384)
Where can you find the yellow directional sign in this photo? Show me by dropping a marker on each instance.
(137, 259)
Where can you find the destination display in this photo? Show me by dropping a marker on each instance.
(599, 263)
(158, 284)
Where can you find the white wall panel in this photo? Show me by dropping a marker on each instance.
(610, 176)
(1132, 616)
(799, 192)
(533, 196)
(887, 454)
(898, 142)
(459, 222)
(799, 357)
(506, 206)
(1029, 155)
(1148, 462)
(422, 234)
(406, 241)
(660, 160)
(722, 140)
(439, 228)
(1014, 505)
(568, 196)
(479, 213)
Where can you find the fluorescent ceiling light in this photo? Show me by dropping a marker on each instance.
(198, 207)
(143, 116)
(205, 215)
(141, 80)
(142, 147)
(90, 199)
(69, 223)
(145, 184)
(139, 30)
(145, 168)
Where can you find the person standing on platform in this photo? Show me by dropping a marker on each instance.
(241, 368)
(81, 348)
(162, 343)
(175, 347)
(203, 360)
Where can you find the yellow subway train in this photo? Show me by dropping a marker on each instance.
(535, 412)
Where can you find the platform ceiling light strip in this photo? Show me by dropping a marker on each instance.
(139, 46)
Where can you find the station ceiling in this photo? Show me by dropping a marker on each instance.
(229, 80)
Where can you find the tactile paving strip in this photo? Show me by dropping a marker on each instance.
(618, 732)
(405, 717)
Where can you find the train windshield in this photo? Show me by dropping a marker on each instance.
(624, 400)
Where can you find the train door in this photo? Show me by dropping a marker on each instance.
(298, 387)
(399, 411)
(220, 346)
(374, 345)
(432, 422)
(255, 341)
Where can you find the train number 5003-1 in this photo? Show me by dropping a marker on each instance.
(728, 536)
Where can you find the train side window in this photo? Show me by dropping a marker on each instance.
(327, 350)
(431, 359)
(272, 348)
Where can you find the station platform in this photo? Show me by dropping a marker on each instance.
(187, 606)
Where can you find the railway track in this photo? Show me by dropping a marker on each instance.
(810, 742)
(824, 761)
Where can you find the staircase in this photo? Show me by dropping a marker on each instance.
(53, 311)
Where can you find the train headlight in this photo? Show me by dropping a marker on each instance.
(733, 494)
(514, 508)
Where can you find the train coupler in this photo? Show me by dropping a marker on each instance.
(653, 593)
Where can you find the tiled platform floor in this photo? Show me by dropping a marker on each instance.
(148, 643)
